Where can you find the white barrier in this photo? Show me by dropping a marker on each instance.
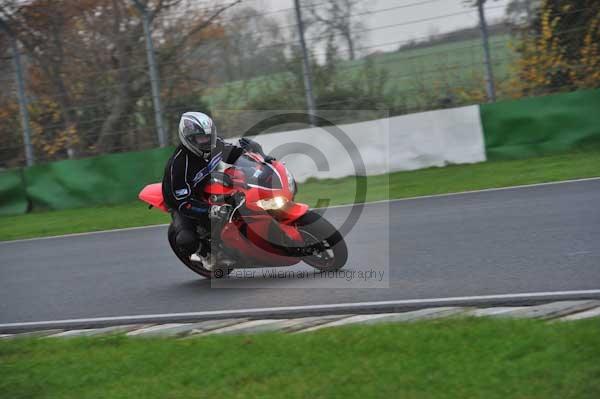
(408, 142)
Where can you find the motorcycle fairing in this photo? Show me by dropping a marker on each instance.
(218, 189)
(250, 241)
(292, 212)
(152, 194)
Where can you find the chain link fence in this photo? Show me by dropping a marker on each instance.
(81, 78)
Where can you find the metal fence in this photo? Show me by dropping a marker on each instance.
(81, 78)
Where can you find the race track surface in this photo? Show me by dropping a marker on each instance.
(543, 238)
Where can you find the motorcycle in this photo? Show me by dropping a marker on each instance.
(261, 224)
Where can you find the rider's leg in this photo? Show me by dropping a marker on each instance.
(186, 238)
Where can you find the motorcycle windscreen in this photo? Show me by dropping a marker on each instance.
(258, 174)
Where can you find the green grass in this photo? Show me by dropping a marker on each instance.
(454, 65)
(430, 181)
(79, 220)
(457, 178)
(453, 358)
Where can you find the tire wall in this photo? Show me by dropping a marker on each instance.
(13, 199)
(541, 125)
(107, 179)
(407, 142)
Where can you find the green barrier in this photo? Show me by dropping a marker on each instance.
(12, 193)
(106, 179)
(541, 125)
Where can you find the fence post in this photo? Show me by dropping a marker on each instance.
(153, 70)
(489, 76)
(16, 56)
(310, 100)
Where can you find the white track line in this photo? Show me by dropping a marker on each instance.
(286, 309)
(87, 233)
(486, 190)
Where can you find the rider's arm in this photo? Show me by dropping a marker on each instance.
(231, 152)
(181, 187)
(251, 145)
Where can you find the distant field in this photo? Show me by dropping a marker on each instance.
(439, 68)
(412, 71)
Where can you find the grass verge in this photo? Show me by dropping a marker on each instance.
(452, 358)
(430, 181)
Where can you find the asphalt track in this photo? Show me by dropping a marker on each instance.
(535, 239)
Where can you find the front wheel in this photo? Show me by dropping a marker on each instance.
(195, 264)
(327, 246)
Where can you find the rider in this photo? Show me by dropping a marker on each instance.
(188, 170)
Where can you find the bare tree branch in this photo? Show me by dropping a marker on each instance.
(338, 18)
(166, 56)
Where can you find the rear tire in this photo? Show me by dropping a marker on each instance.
(195, 266)
(316, 230)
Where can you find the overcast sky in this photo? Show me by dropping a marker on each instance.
(445, 15)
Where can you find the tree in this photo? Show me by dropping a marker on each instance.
(561, 50)
(42, 35)
(338, 17)
(521, 11)
(250, 46)
(87, 74)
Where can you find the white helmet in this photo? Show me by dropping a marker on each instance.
(197, 133)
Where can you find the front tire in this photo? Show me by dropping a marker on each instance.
(195, 265)
(317, 231)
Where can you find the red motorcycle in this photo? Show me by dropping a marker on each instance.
(262, 227)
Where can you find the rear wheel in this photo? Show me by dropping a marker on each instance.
(194, 263)
(328, 248)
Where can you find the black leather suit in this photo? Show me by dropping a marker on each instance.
(183, 181)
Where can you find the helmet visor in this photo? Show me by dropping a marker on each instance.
(200, 139)
(191, 129)
(195, 136)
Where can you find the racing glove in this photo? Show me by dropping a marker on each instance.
(193, 209)
(252, 146)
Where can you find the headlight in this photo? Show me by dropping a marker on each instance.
(291, 181)
(272, 203)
